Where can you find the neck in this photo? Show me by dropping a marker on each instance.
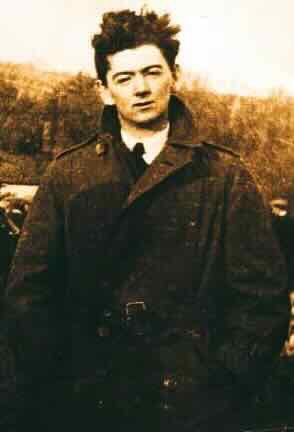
(144, 130)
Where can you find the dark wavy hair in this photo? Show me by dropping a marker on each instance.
(127, 29)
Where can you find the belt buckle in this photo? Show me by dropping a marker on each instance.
(135, 315)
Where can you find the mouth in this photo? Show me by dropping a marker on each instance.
(143, 104)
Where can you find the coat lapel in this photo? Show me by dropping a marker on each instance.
(170, 160)
(178, 152)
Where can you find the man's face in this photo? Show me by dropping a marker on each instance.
(139, 83)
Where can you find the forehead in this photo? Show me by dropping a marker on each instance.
(134, 59)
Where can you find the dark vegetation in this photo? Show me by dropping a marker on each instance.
(42, 113)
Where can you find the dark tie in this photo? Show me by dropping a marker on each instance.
(137, 154)
(138, 150)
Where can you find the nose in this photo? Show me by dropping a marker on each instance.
(141, 86)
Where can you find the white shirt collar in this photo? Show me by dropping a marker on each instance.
(152, 145)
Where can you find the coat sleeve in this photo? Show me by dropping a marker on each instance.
(256, 301)
(29, 333)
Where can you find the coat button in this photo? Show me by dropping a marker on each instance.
(100, 148)
(100, 404)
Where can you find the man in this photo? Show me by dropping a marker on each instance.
(147, 293)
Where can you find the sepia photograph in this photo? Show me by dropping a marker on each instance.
(147, 216)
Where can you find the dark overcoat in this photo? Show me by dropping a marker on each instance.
(190, 242)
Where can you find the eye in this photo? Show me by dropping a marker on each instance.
(154, 72)
(123, 80)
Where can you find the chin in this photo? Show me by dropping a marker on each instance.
(151, 119)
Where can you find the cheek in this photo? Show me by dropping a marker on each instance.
(164, 93)
(165, 88)
(122, 100)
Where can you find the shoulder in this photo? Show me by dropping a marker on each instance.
(221, 161)
(96, 141)
(78, 168)
(80, 163)
(221, 149)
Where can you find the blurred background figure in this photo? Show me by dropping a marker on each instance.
(283, 222)
(14, 204)
(7, 246)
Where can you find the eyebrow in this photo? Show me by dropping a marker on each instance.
(145, 69)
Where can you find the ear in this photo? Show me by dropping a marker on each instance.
(176, 74)
(104, 93)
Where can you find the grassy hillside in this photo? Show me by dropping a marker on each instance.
(42, 113)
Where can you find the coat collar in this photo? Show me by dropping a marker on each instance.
(182, 130)
(179, 151)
